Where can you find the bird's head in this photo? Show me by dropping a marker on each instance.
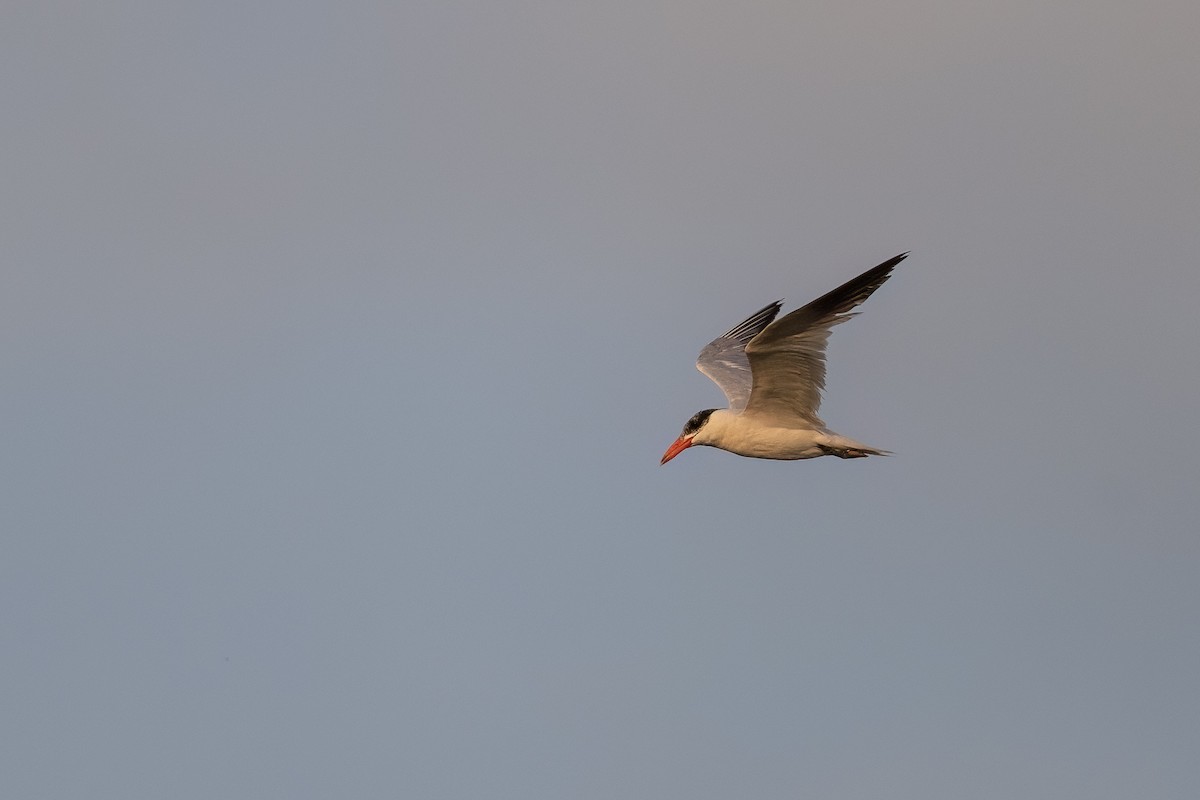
(693, 433)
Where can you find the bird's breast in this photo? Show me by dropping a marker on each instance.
(748, 437)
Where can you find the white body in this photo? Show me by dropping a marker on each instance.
(756, 437)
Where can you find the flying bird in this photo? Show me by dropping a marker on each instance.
(772, 373)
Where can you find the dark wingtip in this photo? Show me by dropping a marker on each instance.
(748, 328)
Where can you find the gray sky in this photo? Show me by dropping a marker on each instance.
(341, 342)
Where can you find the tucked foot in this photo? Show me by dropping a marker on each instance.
(843, 452)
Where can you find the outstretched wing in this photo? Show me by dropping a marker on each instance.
(724, 358)
(788, 357)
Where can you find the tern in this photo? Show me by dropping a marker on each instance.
(772, 373)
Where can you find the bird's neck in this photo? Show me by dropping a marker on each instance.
(721, 424)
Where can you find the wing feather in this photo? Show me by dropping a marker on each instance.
(787, 358)
(724, 359)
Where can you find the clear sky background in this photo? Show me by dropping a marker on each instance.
(341, 341)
